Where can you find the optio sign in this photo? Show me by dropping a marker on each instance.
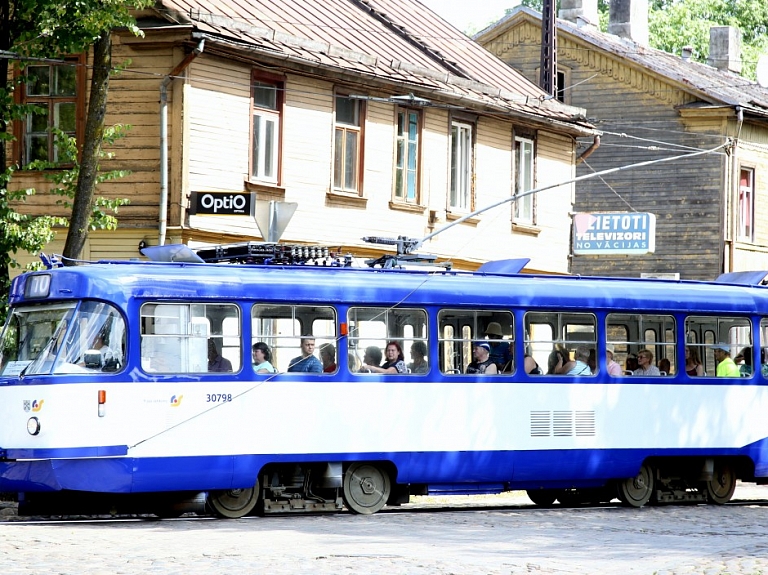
(221, 203)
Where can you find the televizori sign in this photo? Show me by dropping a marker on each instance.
(221, 203)
(616, 233)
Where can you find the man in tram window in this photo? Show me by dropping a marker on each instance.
(215, 360)
(306, 362)
(499, 348)
(726, 367)
(483, 363)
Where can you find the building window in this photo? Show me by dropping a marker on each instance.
(56, 90)
(524, 206)
(407, 156)
(746, 230)
(560, 86)
(266, 111)
(347, 144)
(461, 167)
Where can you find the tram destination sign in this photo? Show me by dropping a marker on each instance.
(614, 233)
(221, 203)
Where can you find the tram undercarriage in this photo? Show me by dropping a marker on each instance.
(660, 481)
(310, 488)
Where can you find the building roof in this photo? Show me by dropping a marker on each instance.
(399, 42)
(707, 83)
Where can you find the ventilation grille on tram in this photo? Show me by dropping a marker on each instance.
(562, 424)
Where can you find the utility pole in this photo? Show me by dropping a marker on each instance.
(548, 63)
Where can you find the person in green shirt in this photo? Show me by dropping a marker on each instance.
(726, 367)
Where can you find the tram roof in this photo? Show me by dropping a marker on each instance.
(121, 281)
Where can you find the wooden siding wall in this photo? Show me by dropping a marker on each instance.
(686, 196)
(122, 244)
(208, 131)
(219, 154)
(133, 100)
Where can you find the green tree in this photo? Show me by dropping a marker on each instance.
(71, 27)
(50, 29)
(674, 24)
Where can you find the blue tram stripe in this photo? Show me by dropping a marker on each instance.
(457, 472)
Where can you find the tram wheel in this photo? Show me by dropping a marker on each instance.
(722, 485)
(234, 503)
(542, 497)
(366, 488)
(637, 491)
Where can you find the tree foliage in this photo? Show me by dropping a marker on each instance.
(675, 24)
(46, 29)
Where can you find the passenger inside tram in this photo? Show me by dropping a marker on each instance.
(419, 362)
(262, 356)
(328, 357)
(395, 362)
(372, 357)
(483, 363)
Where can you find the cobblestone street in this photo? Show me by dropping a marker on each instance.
(502, 535)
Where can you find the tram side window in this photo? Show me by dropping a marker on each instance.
(372, 328)
(459, 328)
(632, 335)
(281, 327)
(554, 334)
(190, 337)
(703, 335)
(763, 350)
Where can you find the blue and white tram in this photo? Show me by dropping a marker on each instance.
(111, 388)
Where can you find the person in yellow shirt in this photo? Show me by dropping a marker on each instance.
(726, 367)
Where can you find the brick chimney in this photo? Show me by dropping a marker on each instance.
(725, 48)
(629, 19)
(579, 10)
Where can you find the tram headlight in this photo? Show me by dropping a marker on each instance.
(33, 426)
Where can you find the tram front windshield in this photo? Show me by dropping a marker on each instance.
(73, 337)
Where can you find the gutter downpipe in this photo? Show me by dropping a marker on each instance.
(588, 152)
(163, 217)
(735, 188)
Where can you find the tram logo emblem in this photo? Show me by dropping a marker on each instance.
(176, 400)
(33, 404)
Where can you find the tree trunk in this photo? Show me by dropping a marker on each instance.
(89, 164)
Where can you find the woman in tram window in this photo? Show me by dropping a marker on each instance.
(262, 357)
(693, 365)
(419, 357)
(395, 363)
(328, 357)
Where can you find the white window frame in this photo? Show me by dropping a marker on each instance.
(343, 131)
(403, 173)
(462, 155)
(525, 207)
(265, 149)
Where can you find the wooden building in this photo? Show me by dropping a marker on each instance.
(711, 209)
(373, 117)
